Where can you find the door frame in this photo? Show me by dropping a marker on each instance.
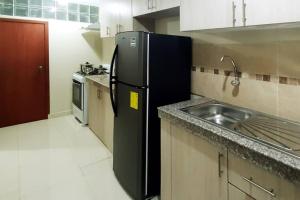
(46, 52)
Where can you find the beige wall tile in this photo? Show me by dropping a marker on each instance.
(270, 51)
(257, 95)
(288, 102)
(289, 59)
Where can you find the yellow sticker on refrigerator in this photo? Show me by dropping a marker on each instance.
(134, 100)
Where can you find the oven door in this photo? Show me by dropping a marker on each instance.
(77, 94)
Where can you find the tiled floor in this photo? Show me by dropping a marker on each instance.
(55, 159)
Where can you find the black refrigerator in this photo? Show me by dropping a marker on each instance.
(147, 71)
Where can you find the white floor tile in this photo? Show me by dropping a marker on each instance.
(55, 159)
(103, 182)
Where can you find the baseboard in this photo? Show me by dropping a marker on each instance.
(59, 114)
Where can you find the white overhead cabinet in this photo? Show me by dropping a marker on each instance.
(260, 12)
(125, 21)
(213, 14)
(142, 7)
(206, 14)
(115, 17)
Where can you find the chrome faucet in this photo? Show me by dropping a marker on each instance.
(236, 81)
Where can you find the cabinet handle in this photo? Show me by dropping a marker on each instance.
(244, 13)
(153, 5)
(220, 171)
(270, 192)
(107, 31)
(118, 28)
(233, 14)
(98, 93)
(149, 7)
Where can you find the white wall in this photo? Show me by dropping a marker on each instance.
(68, 47)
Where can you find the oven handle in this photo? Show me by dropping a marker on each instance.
(113, 81)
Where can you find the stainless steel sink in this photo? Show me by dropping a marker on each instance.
(218, 113)
(282, 134)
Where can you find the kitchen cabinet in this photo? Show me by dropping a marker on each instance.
(192, 168)
(100, 114)
(259, 12)
(213, 14)
(207, 14)
(142, 7)
(257, 183)
(166, 161)
(115, 17)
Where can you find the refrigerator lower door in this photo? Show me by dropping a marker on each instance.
(129, 147)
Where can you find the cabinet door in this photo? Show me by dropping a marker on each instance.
(199, 169)
(108, 18)
(259, 12)
(125, 22)
(108, 118)
(236, 194)
(95, 109)
(158, 5)
(259, 183)
(205, 14)
(141, 7)
(166, 161)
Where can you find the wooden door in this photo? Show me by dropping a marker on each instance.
(199, 169)
(24, 72)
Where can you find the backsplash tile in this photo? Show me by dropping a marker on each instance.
(268, 59)
(257, 77)
(283, 80)
(266, 77)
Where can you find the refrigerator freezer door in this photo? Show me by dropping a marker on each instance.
(129, 139)
(131, 61)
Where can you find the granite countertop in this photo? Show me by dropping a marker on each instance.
(278, 162)
(101, 79)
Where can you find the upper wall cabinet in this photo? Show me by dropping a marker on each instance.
(212, 14)
(206, 14)
(115, 17)
(259, 12)
(142, 7)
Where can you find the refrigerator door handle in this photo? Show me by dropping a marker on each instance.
(113, 81)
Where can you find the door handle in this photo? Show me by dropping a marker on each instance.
(41, 68)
